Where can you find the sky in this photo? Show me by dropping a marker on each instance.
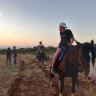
(24, 23)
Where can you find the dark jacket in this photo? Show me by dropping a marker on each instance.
(14, 52)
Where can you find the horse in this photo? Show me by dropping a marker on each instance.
(80, 54)
(41, 57)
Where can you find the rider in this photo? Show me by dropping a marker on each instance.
(40, 47)
(67, 39)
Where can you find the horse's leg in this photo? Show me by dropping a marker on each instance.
(74, 80)
(61, 85)
(42, 63)
(51, 81)
(39, 60)
(77, 81)
(43, 59)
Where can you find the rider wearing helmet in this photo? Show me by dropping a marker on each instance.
(67, 39)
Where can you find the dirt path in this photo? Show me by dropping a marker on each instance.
(15, 87)
(34, 81)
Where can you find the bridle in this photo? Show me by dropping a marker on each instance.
(80, 67)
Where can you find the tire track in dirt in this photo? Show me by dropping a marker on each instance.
(14, 89)
(47, 75)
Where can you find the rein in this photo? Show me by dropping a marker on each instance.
(79, 59)
(79, 62)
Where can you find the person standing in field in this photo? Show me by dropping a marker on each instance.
(8, 56)
(14, 55)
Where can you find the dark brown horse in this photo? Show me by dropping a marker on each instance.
(80, 55)
(41, 57)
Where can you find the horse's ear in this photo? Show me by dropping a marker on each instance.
(92, 42)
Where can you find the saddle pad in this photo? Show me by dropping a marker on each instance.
(62, 54)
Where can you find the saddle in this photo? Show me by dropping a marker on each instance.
(63, 53)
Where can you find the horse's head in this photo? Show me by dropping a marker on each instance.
(87, 53)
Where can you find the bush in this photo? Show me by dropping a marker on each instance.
(2, 51)
(50, 49)
(27, 50)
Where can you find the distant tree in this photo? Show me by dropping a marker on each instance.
(35, 48)
(50, 49)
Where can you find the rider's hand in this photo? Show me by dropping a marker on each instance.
(69, 44)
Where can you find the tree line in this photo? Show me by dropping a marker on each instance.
(49, 49)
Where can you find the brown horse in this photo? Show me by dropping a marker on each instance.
(41, 57)
(81, 54)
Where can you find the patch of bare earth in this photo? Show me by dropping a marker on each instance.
(34, 81)
(7, 75)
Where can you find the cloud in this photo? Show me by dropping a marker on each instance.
(1, 13)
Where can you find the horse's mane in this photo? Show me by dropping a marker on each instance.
(88, 46)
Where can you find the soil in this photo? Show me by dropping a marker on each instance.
(35, 81)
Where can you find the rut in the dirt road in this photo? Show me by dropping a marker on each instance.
(29, 84)
(35, 80)
(14, 89)
(47, 75)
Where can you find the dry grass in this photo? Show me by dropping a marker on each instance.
(7, 75)
(35, 77)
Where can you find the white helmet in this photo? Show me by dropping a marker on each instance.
(63, 24)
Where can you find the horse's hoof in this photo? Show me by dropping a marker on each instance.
(60, 94)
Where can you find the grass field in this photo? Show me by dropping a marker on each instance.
(27, 78)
